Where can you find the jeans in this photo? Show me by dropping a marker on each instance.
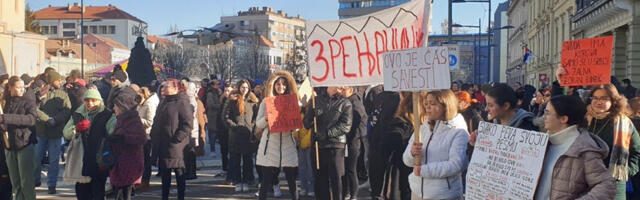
(350, 179)
(146, 175)
(52, 146)
(305, 169)
(212, 140)
(241, 173)
(329, 177)
(21, 164)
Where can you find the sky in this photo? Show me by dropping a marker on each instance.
(160, 15)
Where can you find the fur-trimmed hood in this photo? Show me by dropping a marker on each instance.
(268, 90)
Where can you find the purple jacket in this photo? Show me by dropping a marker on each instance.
(130, 164)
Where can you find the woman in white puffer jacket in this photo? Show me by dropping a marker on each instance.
(439, 174)
(276, 150)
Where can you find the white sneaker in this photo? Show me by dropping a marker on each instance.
(239, 187)
(276, 191)
(245, 187)
(302, 192)
(257, 193)
(311, 194)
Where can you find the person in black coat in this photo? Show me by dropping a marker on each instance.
(170, 134)
(399, 131)
(354, 137)
(18, 118)
(240, 115)
(386, 105)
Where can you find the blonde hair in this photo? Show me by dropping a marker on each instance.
(446, 98)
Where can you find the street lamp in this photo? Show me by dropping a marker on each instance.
(82, 36)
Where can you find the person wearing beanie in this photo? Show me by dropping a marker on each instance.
(54, 110)
(91, 123)
(118, 81)
(127, 141)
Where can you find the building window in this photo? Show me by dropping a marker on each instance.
(44, 29)
(93, 29)
(53, 29)
(102, 30)
(68, 33)
(112, 30)
(246, 23)
(84, 30)
(68, 25)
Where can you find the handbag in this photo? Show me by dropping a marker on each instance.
(73, 168)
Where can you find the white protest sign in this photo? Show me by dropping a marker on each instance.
(417, 69)
(349, 52)
(506, 163)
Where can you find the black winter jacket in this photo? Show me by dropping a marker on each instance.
(359, 123)
(171, 130)
(334, 118)
(240, 126)
(18, 120)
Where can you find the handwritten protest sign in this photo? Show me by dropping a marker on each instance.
(417, 69)
(283, 113)
(587, 61)
(506, 163)
(349, 52)
(305, 91)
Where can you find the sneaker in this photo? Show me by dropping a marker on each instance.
(245, 187)
(52, 189)
(302, 192)
(276, 191)
(239, 187)
(311, 194)
(257, 193)
(347, 197)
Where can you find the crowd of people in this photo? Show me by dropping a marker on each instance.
(111, 129)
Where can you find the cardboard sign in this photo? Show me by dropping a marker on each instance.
(305, 91)
(349, 52)
(587, 61)
(283, 113)
(417, 69)
(506, 163)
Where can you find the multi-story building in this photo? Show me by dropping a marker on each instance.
(472, 56)
(106, 21)
(499, 50)
(620, 18)
(284, 31)
(107, 48)
(518, 17)
(354, 8)
(64, 56)
(20, 51)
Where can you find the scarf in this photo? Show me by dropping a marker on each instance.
(622, 130)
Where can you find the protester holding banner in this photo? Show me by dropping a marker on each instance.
(439, 175)
(332, 114)
(240, 118)
(573, 166)
(276, 150)
(607, 118)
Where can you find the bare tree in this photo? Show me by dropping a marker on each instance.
(297, 62)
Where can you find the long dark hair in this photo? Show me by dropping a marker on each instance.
(242, 97)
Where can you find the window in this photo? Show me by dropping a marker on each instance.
(68, 33)
(44, 29)
(68, 25)
(84, 29)
(246, 23)
(93, 29)
(112, 30)
(102, 30)
(53, 29)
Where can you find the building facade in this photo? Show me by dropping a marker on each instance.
(619, 18)
(20, 51)
(64, 56)
(499, 53)
(354, 8)
(284, 31)
(518, 17)
(472, 56)
(106, 21)
(105, 47)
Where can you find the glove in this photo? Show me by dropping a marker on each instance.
(83, 126)
(52, 121)
(116, 138)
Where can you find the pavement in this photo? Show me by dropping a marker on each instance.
(206, 186)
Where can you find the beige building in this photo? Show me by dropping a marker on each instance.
(20, 51)
(284, 31)
(64, 56)
(549, 27)
(518, 37)
(620, 18)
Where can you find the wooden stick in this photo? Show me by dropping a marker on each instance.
(417, 137)
(390, 179)
(315, 130)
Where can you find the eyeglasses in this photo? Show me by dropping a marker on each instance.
(600, 98)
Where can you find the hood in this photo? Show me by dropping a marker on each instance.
(82, 109)
(586, 142)
(268, 90)
(519, 117)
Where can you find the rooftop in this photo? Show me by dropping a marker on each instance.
(90, 12)
(53, 46)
